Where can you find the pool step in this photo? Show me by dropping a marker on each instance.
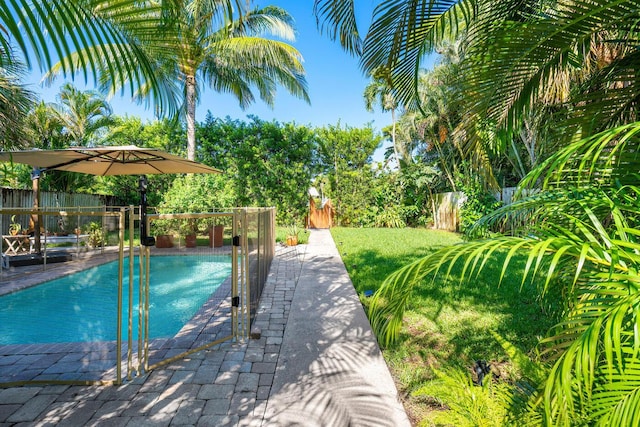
(36, 259)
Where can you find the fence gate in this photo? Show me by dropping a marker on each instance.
(229, 311)
(320, 216)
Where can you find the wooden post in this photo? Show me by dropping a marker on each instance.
(37, 218)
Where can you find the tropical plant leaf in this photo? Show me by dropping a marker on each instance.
(337, 17)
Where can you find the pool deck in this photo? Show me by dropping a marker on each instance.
(316, 363)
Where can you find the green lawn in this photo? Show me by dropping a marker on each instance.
(448, 323)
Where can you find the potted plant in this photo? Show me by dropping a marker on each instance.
(292, 235)
(96, 234)
(163, 230)
(190, 230)
(14, 227)
(216, 233)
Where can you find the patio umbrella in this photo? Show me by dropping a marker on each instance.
(121, 160)
(117, 160)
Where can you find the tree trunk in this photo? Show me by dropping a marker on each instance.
(393, 136)
(35, 218)
(191, 117)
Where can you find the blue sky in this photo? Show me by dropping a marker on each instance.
(335, 82)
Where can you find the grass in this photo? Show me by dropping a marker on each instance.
(448, 323)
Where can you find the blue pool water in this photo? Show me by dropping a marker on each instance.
(82, 307)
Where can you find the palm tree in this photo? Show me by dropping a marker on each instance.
(15, 102)
(85, 115)
(45, 128)
(229, 53)
(379, 91)
(80, 119)
(107, 38)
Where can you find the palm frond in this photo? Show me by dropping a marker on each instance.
(15, 102)
(617, 401)
(403, 32)
(256, 61)
(605, 158)
(269, 21)
(510, 68)
(609, 98)
(91, 37)
(337, 17)
(596, 347)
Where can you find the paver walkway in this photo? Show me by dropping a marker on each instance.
(316, 363)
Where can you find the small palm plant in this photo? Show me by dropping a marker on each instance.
(293, 233)
(14, 226)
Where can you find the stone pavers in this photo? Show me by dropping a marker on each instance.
(253, 383)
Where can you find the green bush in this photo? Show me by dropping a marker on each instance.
(97, 236)
(479, 203)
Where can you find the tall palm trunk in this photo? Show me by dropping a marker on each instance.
(393, 136)
(191, 116)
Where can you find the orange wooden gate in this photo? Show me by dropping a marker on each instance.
(320, 217)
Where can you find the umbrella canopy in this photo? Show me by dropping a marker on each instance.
(120, 160)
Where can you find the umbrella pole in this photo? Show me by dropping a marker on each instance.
(145, 240)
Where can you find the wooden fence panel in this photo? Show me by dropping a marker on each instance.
(23, 199)
(447, 210)
(447, 207)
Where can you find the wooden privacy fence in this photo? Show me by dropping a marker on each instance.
(446, 207)
(23, 199)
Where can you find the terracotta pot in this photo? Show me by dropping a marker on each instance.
(164, 241)
(190, 240)
(292, 240)
(216, 236)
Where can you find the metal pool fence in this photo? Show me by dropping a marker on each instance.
(127, 346)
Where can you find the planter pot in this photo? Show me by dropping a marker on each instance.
(190, 240)
(292, 240)
(215, 236)
(164, 241)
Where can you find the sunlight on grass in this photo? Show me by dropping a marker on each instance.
(370, 254)
(448, 322)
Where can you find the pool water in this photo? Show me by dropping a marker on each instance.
(82, 307)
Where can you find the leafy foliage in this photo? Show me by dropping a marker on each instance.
(271, 163)
(97, 235)
(195, 193)
(344, 156)
(478, 203)
(583, 242)
(467, 404)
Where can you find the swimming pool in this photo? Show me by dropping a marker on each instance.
(82, 307)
